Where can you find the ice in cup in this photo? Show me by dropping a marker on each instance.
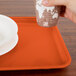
(46, 16)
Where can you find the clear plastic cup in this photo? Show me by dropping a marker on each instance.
(46, 16)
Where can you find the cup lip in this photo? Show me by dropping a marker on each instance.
(15, 28)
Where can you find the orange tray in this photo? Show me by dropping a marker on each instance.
(38, 48)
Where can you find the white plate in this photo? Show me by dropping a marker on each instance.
(9, 46)
(8, 21)
(8, 34)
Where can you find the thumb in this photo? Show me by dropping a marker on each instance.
(54, 2)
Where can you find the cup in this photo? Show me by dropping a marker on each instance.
(46, 16)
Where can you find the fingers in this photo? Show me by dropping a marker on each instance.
(54, 2)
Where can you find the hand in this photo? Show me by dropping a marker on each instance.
(70, 12)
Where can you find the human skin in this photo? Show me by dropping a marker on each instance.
(70, 12)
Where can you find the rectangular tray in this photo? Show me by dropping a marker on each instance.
(38, 48)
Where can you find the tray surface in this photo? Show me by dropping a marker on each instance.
(38, 48)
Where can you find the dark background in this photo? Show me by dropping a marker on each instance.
(66, 27)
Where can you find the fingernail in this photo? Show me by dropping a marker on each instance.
(45, 2)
